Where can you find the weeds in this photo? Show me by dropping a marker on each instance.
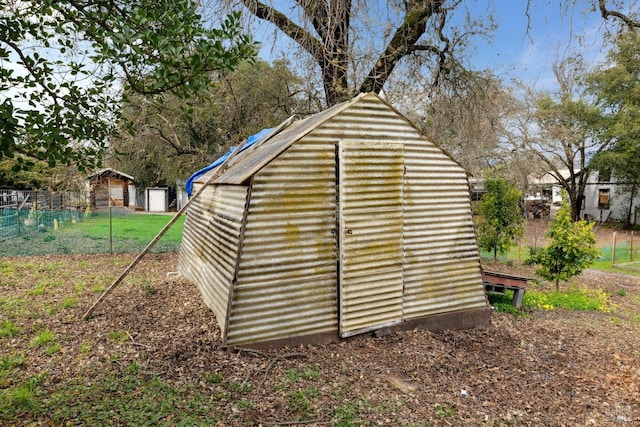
(12, 306)
(118, 337)
(301, 402)
(43, 338)
(444, 411)
(106, 398)
(212, 378)
(573, 299)
(502, 303)
(8, 363)
(85, 348)
(70, 302)
(8, 329)
(308, 372)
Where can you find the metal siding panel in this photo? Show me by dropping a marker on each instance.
(210, 244)
(286, 284)
(248, 162)
(287, 274)
(442, 264)
(371, 235)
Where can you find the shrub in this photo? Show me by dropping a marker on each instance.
(502, 220)
(571, 248)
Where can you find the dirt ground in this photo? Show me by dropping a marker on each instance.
(548, 368)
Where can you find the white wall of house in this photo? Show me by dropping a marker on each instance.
(602, 200)
(605, 200)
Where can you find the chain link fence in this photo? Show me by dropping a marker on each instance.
(45, 223)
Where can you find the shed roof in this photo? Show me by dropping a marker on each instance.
(245, 163)
(110, 173)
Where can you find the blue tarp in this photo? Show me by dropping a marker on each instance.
(250, 141)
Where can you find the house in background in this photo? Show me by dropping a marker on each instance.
(605, 198)
(343, 223)
(111, 188)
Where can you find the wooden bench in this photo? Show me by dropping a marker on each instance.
(500, 282)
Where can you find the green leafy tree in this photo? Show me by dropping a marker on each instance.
(502, 220)
(169, 145)
(617, 89)
(64, 65)
(567, 131)
(571, 248)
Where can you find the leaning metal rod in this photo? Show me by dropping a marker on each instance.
(213, 177)
(155, 239)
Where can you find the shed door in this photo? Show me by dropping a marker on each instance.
(370, 187)
(157, 200)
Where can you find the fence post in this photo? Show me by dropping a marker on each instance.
(17, 214)
(110, 233)
(613, 250)
(631, 247)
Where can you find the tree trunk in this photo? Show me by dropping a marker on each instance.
(329, 43)
(632, 195)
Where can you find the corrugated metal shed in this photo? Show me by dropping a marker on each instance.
(346, 222)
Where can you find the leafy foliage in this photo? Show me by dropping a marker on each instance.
(175, 137)
(502, 220)
(66, 63)
(573, 299)
(571, 248)
(568, 131)
(617, 88)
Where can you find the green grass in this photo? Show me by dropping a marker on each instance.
(11, 306)
(307, 372)
(521, 254)
(301, 402)
(8, 329)
(139, 227)
(117, 398)
(502, 303)
(130, 233)
(11, 362)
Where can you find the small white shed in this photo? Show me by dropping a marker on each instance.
(156, 199)
(346, 222)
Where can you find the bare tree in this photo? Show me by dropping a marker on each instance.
(472, 120)
(332, 33)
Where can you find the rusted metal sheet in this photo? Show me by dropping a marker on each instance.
(210, 244)
(442, 265)
(355, 222)
(248, 162)
(370, 210)
(286, 284)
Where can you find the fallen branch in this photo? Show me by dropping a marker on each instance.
(273, 359)
(140, 344)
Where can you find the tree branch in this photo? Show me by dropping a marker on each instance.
(402, 43)
(318, 13)
(606, 13)
(291, 29)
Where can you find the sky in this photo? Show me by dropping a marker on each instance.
(530, 54)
